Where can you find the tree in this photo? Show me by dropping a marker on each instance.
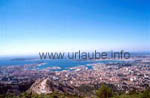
(104, 92)
(146, 94)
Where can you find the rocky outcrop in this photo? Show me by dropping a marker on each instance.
(48, 86)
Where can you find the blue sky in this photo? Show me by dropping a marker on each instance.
(30, 26)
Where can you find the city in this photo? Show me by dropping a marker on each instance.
(129, 75)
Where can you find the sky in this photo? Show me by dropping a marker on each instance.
(32, 26)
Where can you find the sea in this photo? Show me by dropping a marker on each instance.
(64, 64)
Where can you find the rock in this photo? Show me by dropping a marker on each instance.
(48, 86)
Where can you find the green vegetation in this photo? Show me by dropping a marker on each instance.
(103, 92)
(27, 95)
(144, 94)
(106, 92)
